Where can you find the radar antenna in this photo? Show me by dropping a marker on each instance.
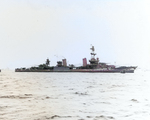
(92, 49)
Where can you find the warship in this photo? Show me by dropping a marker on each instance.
(94, 66)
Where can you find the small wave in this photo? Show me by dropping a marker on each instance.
(134, 100)
(17, 96)
(56, 116)
(85, 93)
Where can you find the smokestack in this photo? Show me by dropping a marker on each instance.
(64, 62)
(84, 62)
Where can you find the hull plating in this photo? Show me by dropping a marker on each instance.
(82, 71)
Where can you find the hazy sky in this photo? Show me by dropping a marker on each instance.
(33, 30)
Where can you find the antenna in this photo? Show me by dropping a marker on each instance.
(92, 53)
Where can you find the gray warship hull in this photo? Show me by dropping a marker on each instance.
(64, 69)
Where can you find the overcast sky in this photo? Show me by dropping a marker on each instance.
(33, 30)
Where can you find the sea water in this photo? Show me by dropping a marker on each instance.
(74, 96)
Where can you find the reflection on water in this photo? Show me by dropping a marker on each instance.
(74, 96)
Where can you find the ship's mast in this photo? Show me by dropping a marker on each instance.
(92, 53)
(93, 61)
(47, 62)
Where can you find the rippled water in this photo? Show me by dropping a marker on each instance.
(74, 96)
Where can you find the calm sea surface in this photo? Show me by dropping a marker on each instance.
(75, 96)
